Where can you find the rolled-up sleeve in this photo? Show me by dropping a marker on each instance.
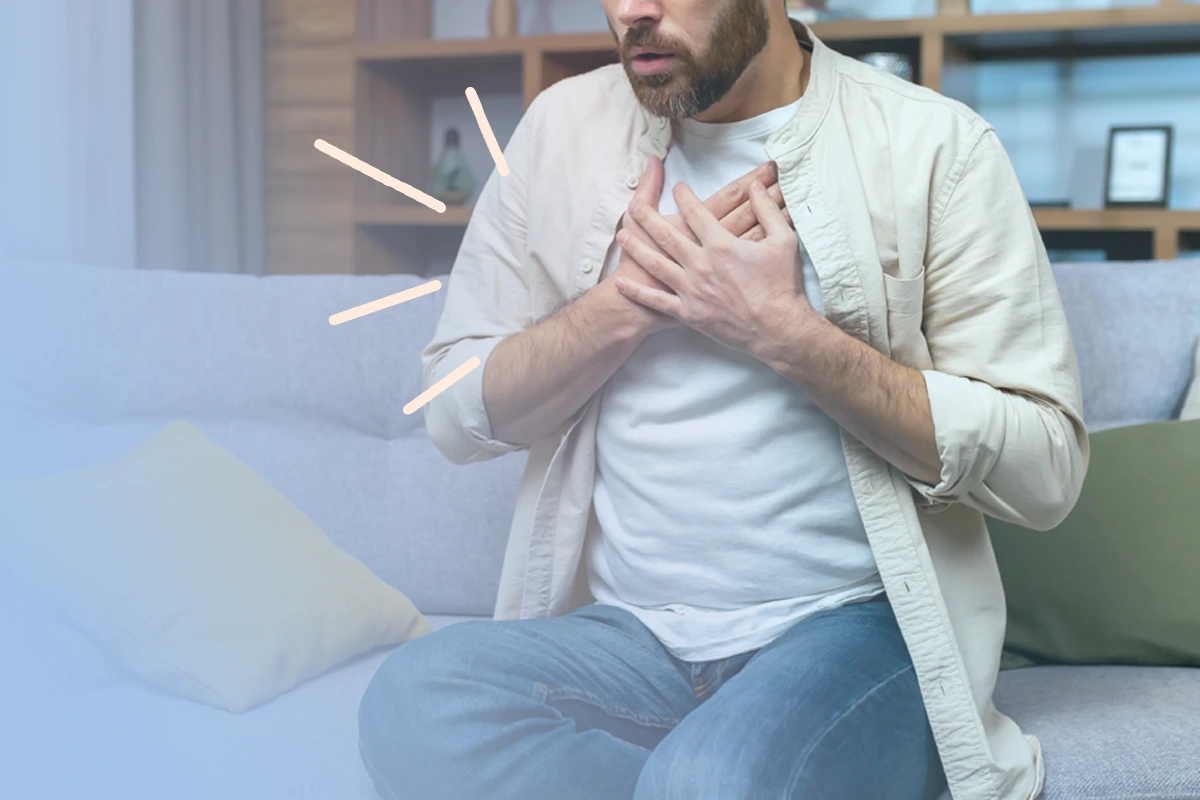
(487, 300)
(1004, 390)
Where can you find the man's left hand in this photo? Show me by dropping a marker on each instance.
(740, 293)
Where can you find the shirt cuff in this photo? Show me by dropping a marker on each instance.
(461, 406)
(968, 425)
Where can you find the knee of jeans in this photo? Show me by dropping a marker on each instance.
(686, 769)
(393, 712)
(382, 723)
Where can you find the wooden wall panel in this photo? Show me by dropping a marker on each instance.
(310, 96)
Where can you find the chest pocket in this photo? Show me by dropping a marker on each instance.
(905, 301)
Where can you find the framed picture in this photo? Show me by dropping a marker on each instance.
(1139, 167)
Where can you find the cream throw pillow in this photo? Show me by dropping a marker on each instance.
(1191, 406)
(195, 574)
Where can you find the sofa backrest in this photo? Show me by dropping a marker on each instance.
(1134, 325)
(94, 361)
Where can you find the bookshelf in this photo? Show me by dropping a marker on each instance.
(400, 71)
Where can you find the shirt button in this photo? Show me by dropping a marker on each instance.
(588, 266)
(632, 181)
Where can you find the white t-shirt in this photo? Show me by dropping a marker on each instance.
(722, 494)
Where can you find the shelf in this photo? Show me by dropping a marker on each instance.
(1074, 34)
(434, 75)
(855, 29)
(415, 216)
(1048, 219)
(398, 83)
(1163, 14)
(988, 35)
(409, 235)
(1115, 219)
(1126, 233)
(422, 49)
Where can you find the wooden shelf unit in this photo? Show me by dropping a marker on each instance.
(1166, 228)
(399, 70)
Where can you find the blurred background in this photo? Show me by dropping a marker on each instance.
(178, 134)
(158, 398)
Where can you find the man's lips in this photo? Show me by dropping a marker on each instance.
(651, 62)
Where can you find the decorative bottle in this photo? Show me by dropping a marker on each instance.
(503, 18)
(452, 181)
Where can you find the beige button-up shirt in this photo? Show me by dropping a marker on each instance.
(926, 249)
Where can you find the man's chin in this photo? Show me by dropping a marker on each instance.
(660, 101)
(658, 109)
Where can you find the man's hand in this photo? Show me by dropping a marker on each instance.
(731, 206)
(741, 293)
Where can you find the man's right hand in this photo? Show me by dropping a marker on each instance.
(731, 205)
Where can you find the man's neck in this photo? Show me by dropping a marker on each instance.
(761, 88)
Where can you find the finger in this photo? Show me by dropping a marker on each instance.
(769, 215)
(698, 217)
(742, 218)
(673, 242)
(655, 263)
(755, 234)
(630, 224)
(654, 299)
(650, 186)
(677, 222)
(737, 193)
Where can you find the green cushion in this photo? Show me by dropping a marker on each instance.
(1118, 582)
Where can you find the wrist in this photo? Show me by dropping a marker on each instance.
(625, 320)
(793, 340)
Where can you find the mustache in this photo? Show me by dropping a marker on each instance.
(647, 36)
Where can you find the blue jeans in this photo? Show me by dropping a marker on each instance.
(590, 705)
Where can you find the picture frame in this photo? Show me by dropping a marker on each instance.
(1138, 168)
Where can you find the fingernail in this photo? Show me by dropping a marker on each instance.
(622, 283)
(635, 206)
(757, 187)
(622, 237)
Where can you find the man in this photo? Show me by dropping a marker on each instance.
(749, 558)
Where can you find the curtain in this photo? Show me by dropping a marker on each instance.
(199, 113)
(66, 132)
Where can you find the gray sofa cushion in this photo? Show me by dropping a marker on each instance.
(133, 742)
(1110, 733)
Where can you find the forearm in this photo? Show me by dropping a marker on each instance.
(536, 379)
(883, 404)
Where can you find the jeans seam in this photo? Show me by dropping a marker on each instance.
(548, 695)
(820, 737)
(703, 690)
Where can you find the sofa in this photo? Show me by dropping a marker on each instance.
(95, 361)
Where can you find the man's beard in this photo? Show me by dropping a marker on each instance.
(691, 85)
